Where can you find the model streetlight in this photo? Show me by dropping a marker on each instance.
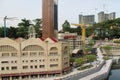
(6, 18)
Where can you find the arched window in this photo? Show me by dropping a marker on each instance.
(33, 48)
(53, 51)
(65, 50)
(7, 48)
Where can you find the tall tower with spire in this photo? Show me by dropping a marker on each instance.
(49, 18)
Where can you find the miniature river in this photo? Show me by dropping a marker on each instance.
(114, 75)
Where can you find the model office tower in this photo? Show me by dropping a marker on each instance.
(56, 18)
(50, 18)
(87, 19)
(104, 16)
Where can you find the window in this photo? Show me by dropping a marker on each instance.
(50, 59)
(35, 60)
(65, 51)
(53, 59)
(23, 61)
(14, 67)
(41, 53)
(7, 48)
(5, 54)
(35, 66)
(7, 68)
(25, 67)
(33, 48)
(26, 60)
(66, 63)
(15, 61)
(4, 62)
(66, 59)
(14, 54)
(56, 59)
(25, 54)
(43, 60)
(42, 66)
(2, 68)
(31, 60)
(31, 67)
(33, 54)
(53, 65)
(53, 53)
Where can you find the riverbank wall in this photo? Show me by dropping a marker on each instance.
(103, 74)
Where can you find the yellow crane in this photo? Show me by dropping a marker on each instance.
(83, 27)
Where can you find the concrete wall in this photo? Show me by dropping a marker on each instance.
(103, 76)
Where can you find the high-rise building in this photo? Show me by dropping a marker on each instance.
(112, 15)
(87, 19)
(49, 18)
(56, 14)
(55, 18)
(106, 17)
(103, 16)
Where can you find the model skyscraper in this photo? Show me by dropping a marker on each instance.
(49, 18)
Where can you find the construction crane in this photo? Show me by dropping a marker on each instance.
(6, 18)
(83, 27)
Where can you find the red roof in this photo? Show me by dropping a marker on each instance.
(42, 39)
(54, 39)
(67, 37)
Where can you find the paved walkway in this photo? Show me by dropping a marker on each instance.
(100, 73)
(104, 70)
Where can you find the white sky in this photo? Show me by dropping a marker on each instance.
(67, 9)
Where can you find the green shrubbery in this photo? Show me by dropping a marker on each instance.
(107, 47)
(79, 61)
(90, 58)
(106, 58)
(116, 40)
(85, 67)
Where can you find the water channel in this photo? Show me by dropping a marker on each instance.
(114, 74)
